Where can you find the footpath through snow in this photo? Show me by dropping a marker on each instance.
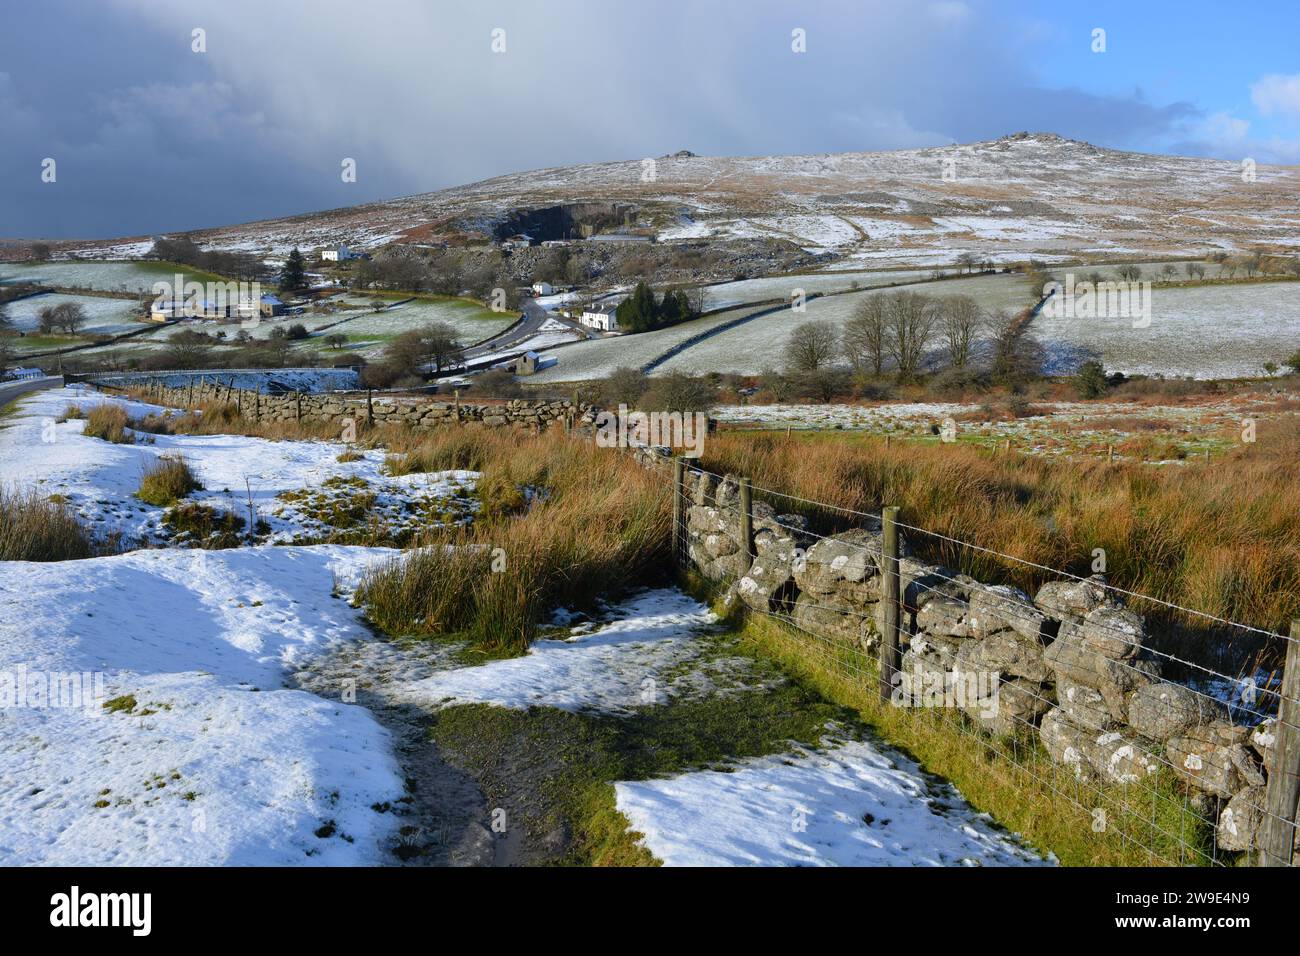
(228, 742)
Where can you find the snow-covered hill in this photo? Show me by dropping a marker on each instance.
(1021, 195)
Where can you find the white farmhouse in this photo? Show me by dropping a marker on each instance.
(602, 317)
(543, 288)
(340, 254)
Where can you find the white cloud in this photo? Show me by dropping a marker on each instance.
(1276, 93)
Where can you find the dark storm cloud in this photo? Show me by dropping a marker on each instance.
(150, 136)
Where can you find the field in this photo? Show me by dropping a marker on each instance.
(757, 345)
(727, 294)
(1214, 331)
(104, 316)
(123, 276)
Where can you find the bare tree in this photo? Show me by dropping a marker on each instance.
(1130, 272)
(864, 336)
(911, 326)
(811, 346)
(959, 318)
(1017, 355)
(624, 386)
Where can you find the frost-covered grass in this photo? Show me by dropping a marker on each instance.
(1202, 331)
(754, 346)
(727, 294)
(121, 276)
(104, 316)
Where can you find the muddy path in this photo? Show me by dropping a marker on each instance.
(445, 820)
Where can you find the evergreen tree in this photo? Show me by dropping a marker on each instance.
(1091, 381)
(293, 276)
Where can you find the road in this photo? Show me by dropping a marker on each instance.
(529, 326)
(12, 390)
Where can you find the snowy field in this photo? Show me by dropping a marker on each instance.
(1202, 332)
(103, 316)
(204, 758)
(98, 479)
(100, 276)
(599, 357)
(782, 287)
(472, 322)
(754, 346)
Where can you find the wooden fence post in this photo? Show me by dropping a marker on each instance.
(747, 519)
(889, 599)
(297, 399)
(370, 406)
(1110, 454)
(257, 405)
(1277, 832)
(679, 469)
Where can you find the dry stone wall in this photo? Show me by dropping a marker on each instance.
(414, 411)
(1072, 664)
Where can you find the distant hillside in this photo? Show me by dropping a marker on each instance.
(1010, 198)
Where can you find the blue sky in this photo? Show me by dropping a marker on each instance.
(150, 136)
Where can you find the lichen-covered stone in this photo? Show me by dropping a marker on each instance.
(1072, 600)
(1085, 707)
(999, 608)
(1067, 744)
(1214, 758)
(1239, 823)
(1163, 710)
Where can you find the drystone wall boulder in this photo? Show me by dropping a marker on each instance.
(1073, 600)
(831, 616)
(1263, 740)
(1214, 758)
(1067, 744)
(1084, 707)
(1120, 758)
(1239, 823)
(850, 557)
(999, 608)
(1012, 653)
(1013, 707)
(1093, 657)
(1163, 710)
(769, 582)
(943, 616)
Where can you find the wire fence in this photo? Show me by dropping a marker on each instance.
(1201, 796)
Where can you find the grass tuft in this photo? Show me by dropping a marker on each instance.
(33, 528)
(108, 421)
(166, 481)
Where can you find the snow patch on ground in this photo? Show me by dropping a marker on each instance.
(613, 668)
(850, 805)
(216, 763)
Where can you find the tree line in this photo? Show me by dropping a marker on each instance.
(897, 331)
(642, 312)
